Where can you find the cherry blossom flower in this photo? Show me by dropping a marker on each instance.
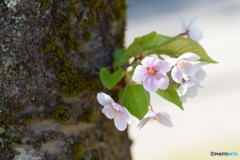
(191, 31)
(200, 73)
(152, 73)
(188, 89)
(161, 117)
(183, 66)
(114, 111)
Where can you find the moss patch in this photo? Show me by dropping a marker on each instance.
(59, 113)
(119, 9)
(46, 3)
(72, 81)
(8, 128)
(87, 116)
(77, 151)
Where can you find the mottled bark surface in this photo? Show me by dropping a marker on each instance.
(51, 52)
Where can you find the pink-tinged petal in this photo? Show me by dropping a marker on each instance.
(149, 61)
(122, 110)
(140, 74)
(127, 115)
(163, 66)
(143, 122)
(198, 65)
(182, 25)
(163, 81)
(183, 98)
(192, 92)
(120, 122)
(195, 34)
(176, 75)
(128, 118)
(194, 80)
(109, 112)
(201, 74)
(151, 84)
(192, 23)
(150, 114)
(164, 120)
(165, 114)
(189, 84)
(117, 107)
(172, 61)
(104, 99)
(189, 57)
(188, 69)
(182, 89)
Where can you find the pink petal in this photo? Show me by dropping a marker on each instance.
(172, 61)
(176, 75)
(117, 106)
(189, 69)
(151, 84)
(192, 92)
(183, 98)
(122, 110)
(163, 119)
(182, 89)
(143, 122)
(109, 112)
(192, 22)
(150, 114)
(149, 61)
(201, 75)
(163, 66)
(120, 122)
(182, 25)
(165, 114)
(195, 34)
(163, 81)
(104, 99)
(140, 74)
(128, 117)
(189, 57)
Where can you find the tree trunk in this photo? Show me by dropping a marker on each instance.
(51, 52)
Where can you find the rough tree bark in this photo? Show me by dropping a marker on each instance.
(51, 52)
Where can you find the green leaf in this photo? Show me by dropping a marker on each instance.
(120, 58)
(109, 80)
(136, 100)
(146, 42)
(181, 45)
(171, 95)
(134, 48)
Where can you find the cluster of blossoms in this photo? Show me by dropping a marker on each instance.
(122, 117)
(185, 70)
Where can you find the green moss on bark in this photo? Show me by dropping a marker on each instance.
(46, 3)
(8, 128)
(87, 116)
(77, 151)
(72, 81)
(59, 113)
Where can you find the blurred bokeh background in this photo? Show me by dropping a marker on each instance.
(211, 121)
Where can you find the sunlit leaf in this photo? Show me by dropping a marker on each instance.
(170, 94)
(109, 80)
(181, 45)
(136, 100)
